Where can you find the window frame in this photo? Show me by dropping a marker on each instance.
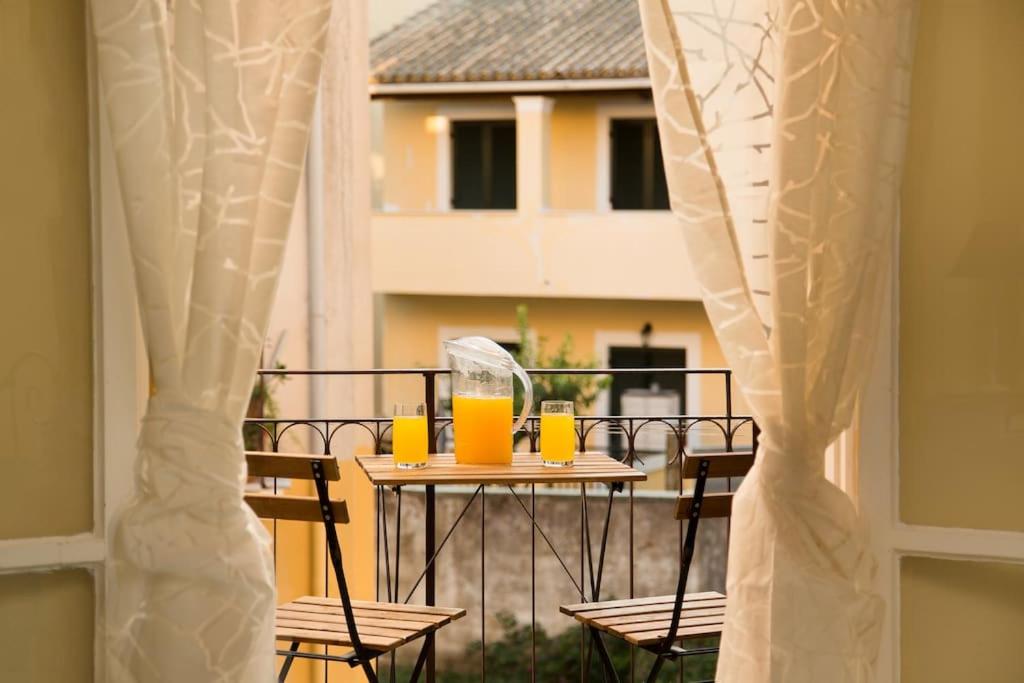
(867, 466)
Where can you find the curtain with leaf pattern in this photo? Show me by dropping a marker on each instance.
(782, 124)
(209, 104)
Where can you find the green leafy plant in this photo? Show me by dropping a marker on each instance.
(582, 390)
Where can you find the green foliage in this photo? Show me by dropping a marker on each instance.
(582, 390)
(558, 659)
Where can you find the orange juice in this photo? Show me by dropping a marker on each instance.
(557, 438)
(483, 429)
(409, 440)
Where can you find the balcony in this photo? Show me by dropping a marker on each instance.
(535, 254)
(484, 555)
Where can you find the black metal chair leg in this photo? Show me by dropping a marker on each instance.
(287, 663)
(656, 669)
(603, 654)
(421, 660)
(371, 675)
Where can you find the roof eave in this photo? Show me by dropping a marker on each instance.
(508, 87)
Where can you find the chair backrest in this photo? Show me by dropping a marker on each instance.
(294, 508)
(293, 466)
(693, 507)
(321, 469)
(719, 466)
(290, 465)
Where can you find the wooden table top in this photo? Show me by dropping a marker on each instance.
(526, 468)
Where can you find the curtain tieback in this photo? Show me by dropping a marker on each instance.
(189, 455)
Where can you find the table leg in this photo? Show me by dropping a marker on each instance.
(430, 597)
(533, 584)
(595, 580)
(483, 584)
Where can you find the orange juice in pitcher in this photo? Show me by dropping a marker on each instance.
(483, 428)
(482, 375)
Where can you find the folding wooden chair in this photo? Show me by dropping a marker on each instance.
(370, 629)
(661, 624)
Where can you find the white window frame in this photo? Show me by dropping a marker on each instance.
(605, 114)
(120, 380)
(876, 437)
(441, 125)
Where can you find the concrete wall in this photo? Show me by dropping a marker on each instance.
(961, 334)
(46, 349)
(507, 541)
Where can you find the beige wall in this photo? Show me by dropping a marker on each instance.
(961, 336)
(409, 155)
(573, 153)
(548, 254)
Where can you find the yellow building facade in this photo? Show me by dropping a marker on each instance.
(581, 267)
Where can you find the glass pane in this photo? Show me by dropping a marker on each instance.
(503, 166)
(627, 164)
(45, 280)
(961, 264)
(467, 165)
(961, 621)
(46, 627)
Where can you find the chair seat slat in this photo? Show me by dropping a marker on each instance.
(645, 621)
(322, 621)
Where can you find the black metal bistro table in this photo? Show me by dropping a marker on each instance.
(525, 469)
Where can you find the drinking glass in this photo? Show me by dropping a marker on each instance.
(557, 433)
(409, 435)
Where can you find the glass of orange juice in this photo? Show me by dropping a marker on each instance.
(409, 435)
(557, 433)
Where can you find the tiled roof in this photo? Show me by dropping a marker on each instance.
(512, 40)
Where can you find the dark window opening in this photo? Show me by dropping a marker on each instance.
(638, 173)
(483, 164)
(623, 385)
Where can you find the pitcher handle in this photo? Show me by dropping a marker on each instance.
(527, 397)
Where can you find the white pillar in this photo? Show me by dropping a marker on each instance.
(348, 304)
(533, 137)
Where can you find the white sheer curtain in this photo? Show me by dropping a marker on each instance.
(783, 125)
(209, 103)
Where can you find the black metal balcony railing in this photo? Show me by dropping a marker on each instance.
(725, 429)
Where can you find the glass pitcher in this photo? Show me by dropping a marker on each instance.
(482, 400)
